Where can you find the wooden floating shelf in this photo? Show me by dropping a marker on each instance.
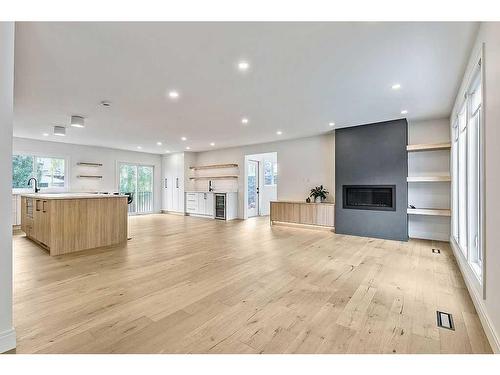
(429, 179)
(429, 211)
(213, 177)
(89, 164)
(83, 176)
(429, 147)
(214, 166)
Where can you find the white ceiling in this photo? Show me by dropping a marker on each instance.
(302, 76)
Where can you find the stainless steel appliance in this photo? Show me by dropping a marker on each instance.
(220, 206)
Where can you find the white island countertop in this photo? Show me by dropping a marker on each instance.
(71, 195)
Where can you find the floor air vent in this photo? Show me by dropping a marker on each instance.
(445, 320)
(436, 251)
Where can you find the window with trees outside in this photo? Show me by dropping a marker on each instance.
(49, 172)
(270, 173)
(466, 170)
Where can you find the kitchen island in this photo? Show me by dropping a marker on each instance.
(69, 222)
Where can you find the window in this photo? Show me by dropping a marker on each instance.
(22, 171)
(466, 169)
(270, 173)
(49, 172)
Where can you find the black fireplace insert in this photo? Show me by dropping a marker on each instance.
(369, 197)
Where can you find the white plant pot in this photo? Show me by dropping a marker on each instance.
(318, 200)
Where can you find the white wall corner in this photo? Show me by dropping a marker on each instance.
(7, 340)
(476, 296)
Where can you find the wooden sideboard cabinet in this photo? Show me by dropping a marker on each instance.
(317, 214)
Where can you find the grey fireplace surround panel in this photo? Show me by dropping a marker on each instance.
(372, 154)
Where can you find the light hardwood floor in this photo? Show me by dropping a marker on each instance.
(190, 285)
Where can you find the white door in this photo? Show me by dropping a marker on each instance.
(169, 183)
(202, 203)
(180, 182)
(209, 204)
(253, 188)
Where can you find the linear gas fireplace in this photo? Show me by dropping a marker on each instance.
(369, 197)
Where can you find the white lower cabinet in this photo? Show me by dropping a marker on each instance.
(200, 204)
(192, 203)
(209, 205)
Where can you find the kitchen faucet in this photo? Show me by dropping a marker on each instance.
(37, 189)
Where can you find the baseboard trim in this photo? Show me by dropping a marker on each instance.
(429, 236)
(7, 340)
(476, 297)
(172, 213)
(303, 226)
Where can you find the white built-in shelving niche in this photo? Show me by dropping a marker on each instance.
(429, 182)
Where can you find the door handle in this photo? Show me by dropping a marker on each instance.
(257, 190)
(166, 185)
(177, 182)
(43, 206)
(36, 205)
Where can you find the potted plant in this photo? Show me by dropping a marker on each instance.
(319, 194)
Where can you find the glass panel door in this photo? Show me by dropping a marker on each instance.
(137, 180)
(144, 197)
(128, 183)
(253, 188)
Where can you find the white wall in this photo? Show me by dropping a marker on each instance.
(107, 156)
(429, 195)
(489, 306)
(7, 333)
(302, 164)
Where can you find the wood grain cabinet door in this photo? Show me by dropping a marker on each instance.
(325, 215)
(45, 225)
(308, 214)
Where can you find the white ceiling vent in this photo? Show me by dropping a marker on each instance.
(59, 130)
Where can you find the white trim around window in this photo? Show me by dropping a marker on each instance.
(468, 209)
(67, 172)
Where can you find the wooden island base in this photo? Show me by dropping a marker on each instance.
(66, 223)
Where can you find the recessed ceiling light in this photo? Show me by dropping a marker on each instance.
(173, 94)
(212, 144)
(167, 151)
(60, 130)
(184, 138)
(279, 132)
(158, 143)
(244, 120)
(45, 134)
(396, 86)
(77, 122)
(332, 124)
(188, 148)
(139, 147)
(404, 112)
(243, 66)
(105, 103)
